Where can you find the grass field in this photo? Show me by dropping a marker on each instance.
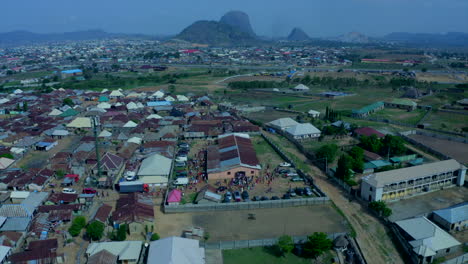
(447, 121)
(400, 115)
(260, 255)
(265, 153)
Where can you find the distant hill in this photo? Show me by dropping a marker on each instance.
(297, 34)
(215, 33)
(353, 37)
(238, 20)
(425, 39)
(26, 37)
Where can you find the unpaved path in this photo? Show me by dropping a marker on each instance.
(372, 235)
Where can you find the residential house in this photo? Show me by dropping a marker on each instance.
(127, 252)
(454, 218)
(303, 131)
(155, 170)
(178, 250)
(402, 104)
(283, 123)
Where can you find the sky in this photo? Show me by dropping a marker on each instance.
(318, 18)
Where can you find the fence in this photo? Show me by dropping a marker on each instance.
(245, 205)
(458, 260)
(257, 243)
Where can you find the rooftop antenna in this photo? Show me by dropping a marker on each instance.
(96, 145)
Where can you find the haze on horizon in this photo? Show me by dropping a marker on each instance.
(318, 18)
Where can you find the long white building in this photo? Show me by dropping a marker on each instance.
(400, 183)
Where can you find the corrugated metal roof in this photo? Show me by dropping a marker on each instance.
(454, 214)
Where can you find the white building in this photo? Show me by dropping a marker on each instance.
(303, 131)
(155, 170)
(400, 183)
(313, 113)
(126, 251)
(176, 250)
(283, 123)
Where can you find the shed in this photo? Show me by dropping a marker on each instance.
(174, 197)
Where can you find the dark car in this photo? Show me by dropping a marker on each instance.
(291, 193)
(221, 188)
(264, 198)
(297, 179)
(286, 196)
(245, 195)
(299, 191)
(182, 152)
(237, 196)
(283, 171)
(275, 198)
(256, 198)
(308, 191)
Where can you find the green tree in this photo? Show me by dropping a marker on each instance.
(172, 88)
(285, 244)
(77, 224)
(154, 237)
(371, 143)
(357, 155)
(68, 101)
(317, 244)
(328, 151)
(394, 145)
(7, 155)
(25, 106)
(95, 230)
(424, 69)
(343, 171)
(380, 207)
(121, 233)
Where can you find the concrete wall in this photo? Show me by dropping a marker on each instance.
(229, 174)
(245, 205)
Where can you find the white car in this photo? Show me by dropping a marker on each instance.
(285, 164)
(68, 190)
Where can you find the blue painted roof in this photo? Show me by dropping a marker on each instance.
(158, 103)
(72, 71)
(44, 144)
(455, 213)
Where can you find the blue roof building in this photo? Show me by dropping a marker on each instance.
(74, 71)
(158, 103)
(454, 218)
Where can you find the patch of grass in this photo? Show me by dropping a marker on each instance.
(400, 115)
(340, 212)
(190, 199)
(260, 255)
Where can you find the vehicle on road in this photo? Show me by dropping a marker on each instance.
(264, 198)
(181, 164)
(89, 191)
(132, 186)
(285, 164)
(181, 181)
(297, 179)
(221, 188)
(227, 197)
(286, 196)
(299, 191)
(275, 198)
(68, 190)
(308, 191)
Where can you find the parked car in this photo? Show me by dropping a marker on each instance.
(292, 174)
(237, 196)
(181, 164)
(221, 188)
(227, 197)
(245, 195)
(264, 198)
(283, 171)
(256, 198)
(89, 190)
(285, 164)
(68, 190)
(297, 179)
(308, 191)
(275, 198)
(291, 193)
(300, 191)
(286, 196)
(131, 177)
(181, 158)
(184, 145)
(182, 152)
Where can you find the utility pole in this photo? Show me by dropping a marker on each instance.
(96, 140)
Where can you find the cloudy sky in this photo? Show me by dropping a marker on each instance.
(319, 18)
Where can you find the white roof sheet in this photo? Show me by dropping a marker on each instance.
(125, 250)
(130, 124)
(5, 163)
(428, 237)
(176, 250)
(155, 165)
(55, 112)
(302, 129)
(80, 122)
(381, 179)
(284, 123)
(4, 251)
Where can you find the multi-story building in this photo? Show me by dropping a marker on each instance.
(401, 183)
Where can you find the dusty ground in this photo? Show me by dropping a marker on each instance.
(456, 150)
(425, 204)
(235, 225)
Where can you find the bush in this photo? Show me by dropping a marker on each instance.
(316, 244)
(285, 244)
(78, 223)
(380, 208)
(154, 237)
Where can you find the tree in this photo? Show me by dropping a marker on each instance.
(357, 154)
(424, 69)
(316, 244)
(343, 171)
(121, 233)
(394, 145)
(380, 207)
(68, 101)
(371, 143)
(328, 151)
(78, 223)
(172, 88)
(154, 237)
(285, 244)
(25, 106)
(95, 230)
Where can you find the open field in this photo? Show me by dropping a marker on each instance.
(447, 121)
(442, 78)
(424, 204)
(269, 223)
(267, 255)
(456, 150)
(439, 99)
(400, 115)
(270, 115)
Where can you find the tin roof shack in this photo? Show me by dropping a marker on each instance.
(126, 251)
(39, 251)
(233, 155)
(208, 195)
(46, 144)
(136, 210)
(103, 214)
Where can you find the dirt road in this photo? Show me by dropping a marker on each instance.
(372, 235)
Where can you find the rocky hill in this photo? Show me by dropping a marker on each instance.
(238, 20)
(298, 34)
(215, 33)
